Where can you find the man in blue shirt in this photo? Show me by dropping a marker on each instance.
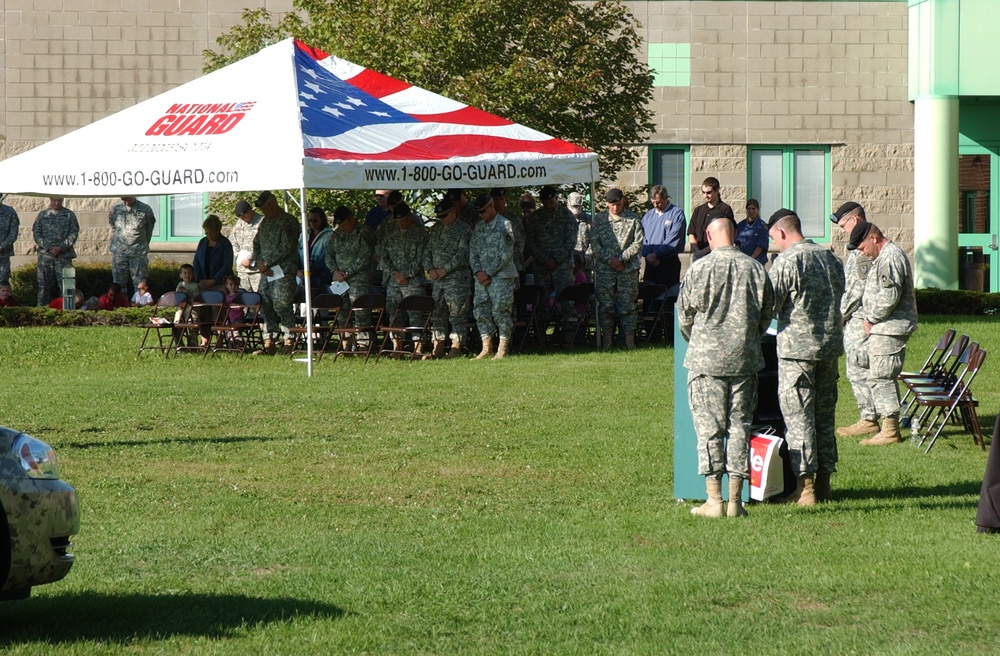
(751, 233)
(664, 227)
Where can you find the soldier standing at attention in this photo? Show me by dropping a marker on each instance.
(499, 196)
(491, 257)
(132, 223)
(276, 254)
(550, 237)
(9, 225)
(349, 258)
(890, 317)
(856, 270)
(446, 260)
(402, 255)
(55, 231)
(241, 237)
(723, 309)
(616, 239)
(808, 281)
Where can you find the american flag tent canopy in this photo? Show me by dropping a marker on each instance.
(294, 117)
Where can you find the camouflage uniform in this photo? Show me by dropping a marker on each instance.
(491, 249)
(448, 249)
(277, 244)
(469, 216)
(583, 227)
(808, 282)
(241, 237)
(723, 309)
(855, 340)
(131, 232)
(403, 251)
(891, 307)
(517, 223)
(552, 235)
(351, 253)
(621, 237)
(9, 225)
(54, 229)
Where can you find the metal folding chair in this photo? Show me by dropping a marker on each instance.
(409, 328)
(958, 395)
(526, 323)
(324, 318)
(161, 323)
(205, 312)
(363, 321)
(238, 334)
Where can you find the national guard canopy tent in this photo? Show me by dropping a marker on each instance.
(293, 117)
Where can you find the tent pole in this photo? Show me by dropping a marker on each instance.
(593, 215)
(306, 282)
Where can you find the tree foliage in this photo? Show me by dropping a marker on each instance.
(567, 69)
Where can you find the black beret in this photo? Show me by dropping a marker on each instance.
(263, 198)
(843, 211)
(858, 235)
(614, 195)
(393, 197)
(779, 215)
(242, 208)
(401, 211)
(441, 209)
(482, 200)
(547, 193)
(341, 214)
(498, 192)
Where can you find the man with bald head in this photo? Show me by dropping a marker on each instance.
(723, 310)
(808, 282)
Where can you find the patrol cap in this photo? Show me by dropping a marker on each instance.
(843, 211)
(779, 215)
(482, 200)
(614, 195)
(547, 193)
(858, 235)
(401, 211)
(263, 198)
(441, 209)
(575, 199)
(498, 192)
(341, 214)
(394, 197)
(242, 208)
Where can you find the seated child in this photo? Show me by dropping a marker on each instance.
(114, 299)
(57, 303)
(6, 299)
(187, 284)
(142, 296)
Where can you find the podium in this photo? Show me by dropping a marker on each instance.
(687, 483)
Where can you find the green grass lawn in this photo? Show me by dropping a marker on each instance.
(524, 506)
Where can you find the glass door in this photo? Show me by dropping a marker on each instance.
(978, 232)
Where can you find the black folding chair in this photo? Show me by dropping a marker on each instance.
(161, 323)
(409, 328)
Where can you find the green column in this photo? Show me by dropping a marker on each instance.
(935, 192)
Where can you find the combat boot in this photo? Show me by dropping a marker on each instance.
(630, 340)
(286, 348)
(821, 487)
(861, 427)
(713, 507)
(456, 349)
(438, 351)
(807, 495)
(502, 349)
(267, 349)
(487, 348)
(889, 435)
(735, 507)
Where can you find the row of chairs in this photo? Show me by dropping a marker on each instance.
(942, 385)
(229, 327)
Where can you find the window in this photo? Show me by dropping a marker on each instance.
(667, 167)
(178, 217)
(671, 64)
(796, 177)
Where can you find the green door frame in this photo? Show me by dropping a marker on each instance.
(990, 240)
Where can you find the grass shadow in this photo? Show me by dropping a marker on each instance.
(170, 440)
(953, 490)
(121, 619)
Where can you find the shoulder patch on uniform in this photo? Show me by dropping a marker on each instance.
(885, 279)
(863, 269)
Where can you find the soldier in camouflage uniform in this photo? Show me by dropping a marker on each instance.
(499, 196)
(723, 309)
(808, 281)
(574, 203)
(856, 270)
(491, 258)
(349, 258)
(616, 238)
(446, 260)
(9, 225)
(466, 212)
(241, 237)
(132, 223)
(401, 253)
(276, 244)
(890, 317)
(55, 230)
(550, 237)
